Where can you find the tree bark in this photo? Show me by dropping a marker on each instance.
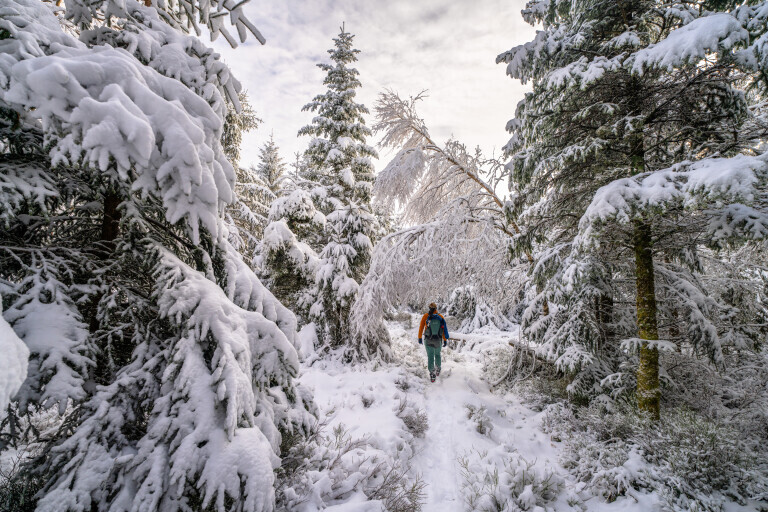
(110, 224)
(648, 390)
(604, 315)
(110, 230)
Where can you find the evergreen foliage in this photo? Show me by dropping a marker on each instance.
(290, 264)
(257, 188)
(170, 364)
(246, 217)
(629, 159)
(340, 173)
(237, 122)
(272, 169)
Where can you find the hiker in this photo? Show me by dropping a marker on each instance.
(436, 332)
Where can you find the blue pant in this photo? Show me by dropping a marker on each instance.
(433, 357)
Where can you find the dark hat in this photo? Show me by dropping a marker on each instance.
(432, 305)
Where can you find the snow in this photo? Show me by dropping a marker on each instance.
(13, 364)
(400, 177)
(107, 109)
(355, 506)
(583, 71)
(691, 184)
(297, 205)
(691, 43)
(334, 154)
(366, 400)
(277, 234)
(473, 431)
(53, 331)
(306, 340)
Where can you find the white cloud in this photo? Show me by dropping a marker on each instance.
(448, 47)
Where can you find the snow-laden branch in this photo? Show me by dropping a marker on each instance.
(417, 264)
(13, 366)
(103, 108)
(695, 35)
(424, 174)
(460, 232)
(185, 15)
(732, 189)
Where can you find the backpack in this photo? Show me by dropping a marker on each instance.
(434, 328)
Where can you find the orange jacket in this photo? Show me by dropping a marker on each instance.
(423, 324)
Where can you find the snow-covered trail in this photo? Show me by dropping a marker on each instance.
(437, 458)
(452, 434)
(467, 422)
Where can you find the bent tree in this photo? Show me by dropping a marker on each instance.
(459, 229)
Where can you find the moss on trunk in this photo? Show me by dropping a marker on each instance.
(648, 390)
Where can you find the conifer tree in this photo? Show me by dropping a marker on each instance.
(338, 157)
(257, 188)
(289, 262)
(622, 93)
(246, 218)
(338, 161)
(170, 363)
(237, 122)
(272, 169)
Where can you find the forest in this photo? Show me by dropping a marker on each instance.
(182, 330)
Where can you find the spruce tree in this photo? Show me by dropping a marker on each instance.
(171, 365)
(338, 157)
(338, 161)
(272, 169)
(621, 91)
(237, 122)
(247, 216)
(289, 264)
(257, 188)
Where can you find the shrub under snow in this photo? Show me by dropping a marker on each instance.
(502, 480)
(691, 462)
(331, 468)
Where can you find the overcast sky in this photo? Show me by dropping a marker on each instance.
(447, 47)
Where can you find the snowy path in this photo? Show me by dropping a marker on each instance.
(453, 435)
(366, 401)
(437, 459)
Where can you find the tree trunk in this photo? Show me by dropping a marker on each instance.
(604, 315)
(110, 230)
(648, 390)
(110, 224)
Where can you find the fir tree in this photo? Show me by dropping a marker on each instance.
(170, 363)
(339, 161)
(271, 168)
(247, 215)
(338, 157)
(289, 263)
(237, 121)
(257, 188)
(622, 92)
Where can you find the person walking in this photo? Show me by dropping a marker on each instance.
(435, 332)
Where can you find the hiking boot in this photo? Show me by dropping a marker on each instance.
(437, 371)
(432, 376)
